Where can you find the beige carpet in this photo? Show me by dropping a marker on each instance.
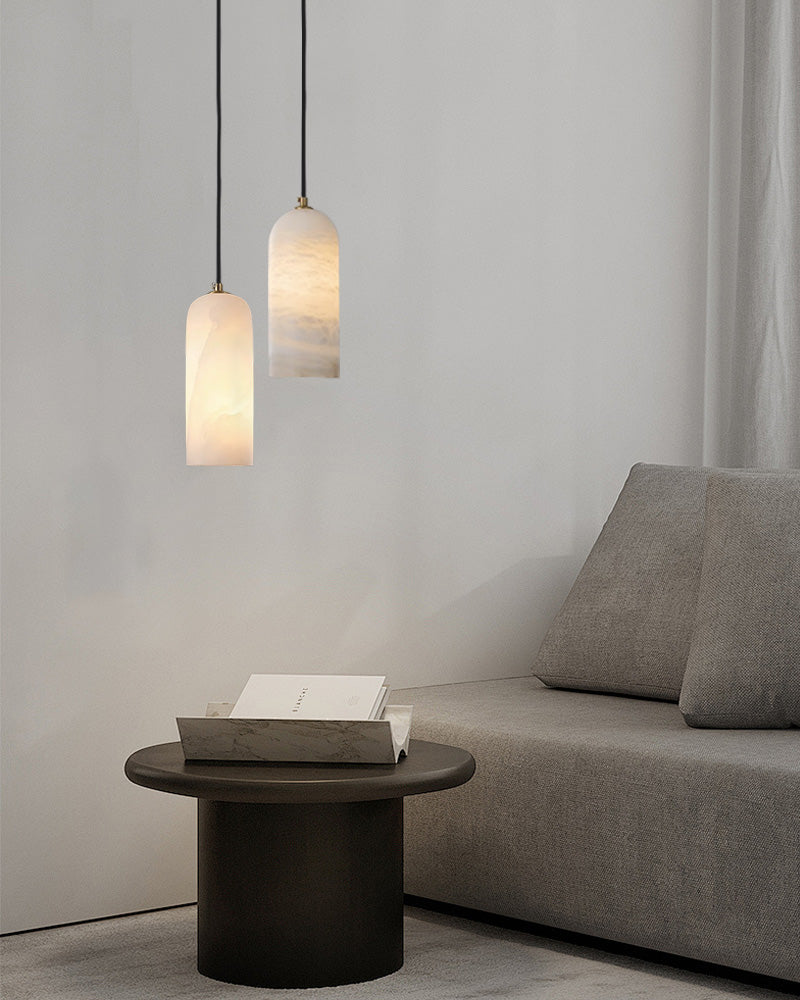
(151, 957)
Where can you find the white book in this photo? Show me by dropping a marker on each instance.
(311, 696)
(380, 704)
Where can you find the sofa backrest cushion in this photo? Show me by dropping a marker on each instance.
(626, 625)
(743, 669)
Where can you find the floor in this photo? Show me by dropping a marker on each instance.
(150, 956)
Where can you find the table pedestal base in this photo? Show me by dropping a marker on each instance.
(300, 895)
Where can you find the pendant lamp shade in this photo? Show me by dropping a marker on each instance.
(304, 295)
(219, 381)
(219, 353)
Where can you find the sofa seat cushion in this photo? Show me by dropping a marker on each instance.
(608, 816)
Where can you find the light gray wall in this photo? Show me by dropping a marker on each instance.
(520, 191)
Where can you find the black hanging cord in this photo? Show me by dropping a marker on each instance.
(219, 138)
(303, 102)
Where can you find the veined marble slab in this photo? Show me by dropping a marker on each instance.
(217, 737)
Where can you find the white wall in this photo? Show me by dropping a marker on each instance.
(520, 190)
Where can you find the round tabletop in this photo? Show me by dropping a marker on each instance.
(427, 768)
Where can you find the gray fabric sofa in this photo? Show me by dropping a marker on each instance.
(607, 815)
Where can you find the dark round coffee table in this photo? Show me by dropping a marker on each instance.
(300, 866)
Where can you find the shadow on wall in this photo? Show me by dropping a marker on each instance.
(300, 631)
(493, 631)
(106, 549)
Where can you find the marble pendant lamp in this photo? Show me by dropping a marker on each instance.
(303, 279)
(219, 357)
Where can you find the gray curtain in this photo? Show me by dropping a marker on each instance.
(764, 412)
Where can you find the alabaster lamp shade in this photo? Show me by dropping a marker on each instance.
(219, 381)
(304, 295)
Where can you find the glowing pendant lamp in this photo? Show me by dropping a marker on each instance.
(303, 279)
(219, 357)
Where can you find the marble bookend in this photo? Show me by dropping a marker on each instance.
(218, 737)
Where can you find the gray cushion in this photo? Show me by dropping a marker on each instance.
(626, 625)
(743, 669)
(609, 816)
